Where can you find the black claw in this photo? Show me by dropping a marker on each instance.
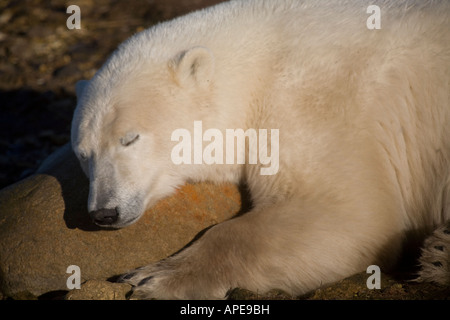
(440, 248)
(145, 280)
(129, 294)
(437, 264)
(127, 276)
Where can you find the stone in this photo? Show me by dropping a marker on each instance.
(391, 288)
(99, 290)
(45, 227)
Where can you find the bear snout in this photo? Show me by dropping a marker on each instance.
(104, 217)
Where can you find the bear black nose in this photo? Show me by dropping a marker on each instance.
(104, 216)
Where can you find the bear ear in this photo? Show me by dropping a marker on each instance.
(79, 87)
(195, 65)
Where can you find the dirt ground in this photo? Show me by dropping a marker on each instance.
(40, 62)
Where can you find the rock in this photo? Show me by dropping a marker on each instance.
(352, 288)
(44, 228)
(275, 294)
(99, 290)
(355, 288)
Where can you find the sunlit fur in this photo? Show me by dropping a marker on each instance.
(364, 123)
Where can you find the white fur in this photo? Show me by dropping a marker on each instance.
(363, 117)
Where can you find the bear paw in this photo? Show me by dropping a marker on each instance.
(148, 282)
(435, 258)
(171, 279)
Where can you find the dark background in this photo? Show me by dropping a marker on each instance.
(41, 60)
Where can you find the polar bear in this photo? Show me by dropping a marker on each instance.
(362, 116)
